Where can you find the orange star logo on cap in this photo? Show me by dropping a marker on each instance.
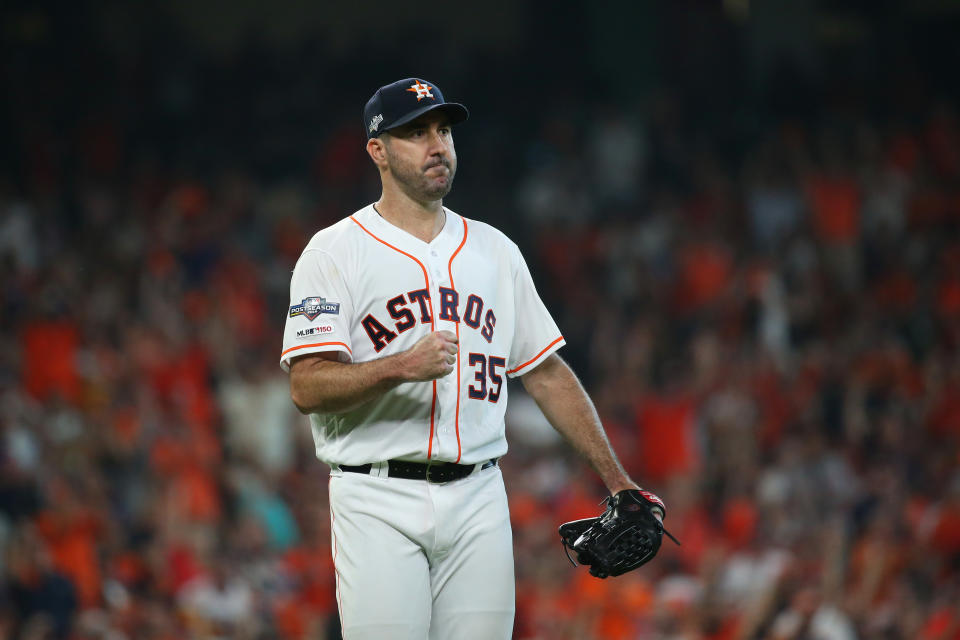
(422, 91)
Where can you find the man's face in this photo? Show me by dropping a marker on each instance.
(421, 157)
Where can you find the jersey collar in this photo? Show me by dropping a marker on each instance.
(445, 243)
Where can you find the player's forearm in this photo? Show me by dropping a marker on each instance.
(320, 384)
(328, 386)
(569, 409)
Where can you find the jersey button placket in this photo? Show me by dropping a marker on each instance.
(438, 281)
(446, 385)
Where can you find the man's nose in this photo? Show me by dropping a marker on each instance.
(438, 145)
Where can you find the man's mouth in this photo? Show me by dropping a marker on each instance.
(437, 172)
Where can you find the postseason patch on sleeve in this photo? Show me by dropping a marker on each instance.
(314, 306)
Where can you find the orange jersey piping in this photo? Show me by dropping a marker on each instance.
(318, 344)
(534, 358)
(457, 327)
(426, 278)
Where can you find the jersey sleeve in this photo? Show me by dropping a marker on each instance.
(320, 313)
(535, 334)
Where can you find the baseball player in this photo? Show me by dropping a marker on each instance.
(405, 321)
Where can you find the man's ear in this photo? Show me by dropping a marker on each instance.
(376, 149)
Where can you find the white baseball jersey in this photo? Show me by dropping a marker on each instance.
(367, 289)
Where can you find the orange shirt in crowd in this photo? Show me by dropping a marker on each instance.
(835, 203)
(666, 443)
(943, 624)
(71, 538)
(49, 359)
(312, 571)
(945, 535)
(706, 272)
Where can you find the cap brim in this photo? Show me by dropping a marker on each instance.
(457, 113)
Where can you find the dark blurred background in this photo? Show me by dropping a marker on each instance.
(744, 216)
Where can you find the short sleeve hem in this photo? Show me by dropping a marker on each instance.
(316, 347)
(535, 361)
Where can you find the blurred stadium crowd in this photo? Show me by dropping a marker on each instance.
(770, 330)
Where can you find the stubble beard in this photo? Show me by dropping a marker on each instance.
(414, 181)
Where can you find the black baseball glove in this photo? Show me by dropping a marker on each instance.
(626, 536)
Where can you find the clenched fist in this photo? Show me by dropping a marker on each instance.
(434, 356)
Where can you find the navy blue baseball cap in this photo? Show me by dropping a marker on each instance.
(405, 100)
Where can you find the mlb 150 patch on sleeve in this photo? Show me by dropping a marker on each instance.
(313, 307)
(311, 332)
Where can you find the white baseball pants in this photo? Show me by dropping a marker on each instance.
(418, 561)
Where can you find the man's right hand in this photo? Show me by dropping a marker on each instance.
(433, 356)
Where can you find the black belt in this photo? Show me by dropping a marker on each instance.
(431, 472)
